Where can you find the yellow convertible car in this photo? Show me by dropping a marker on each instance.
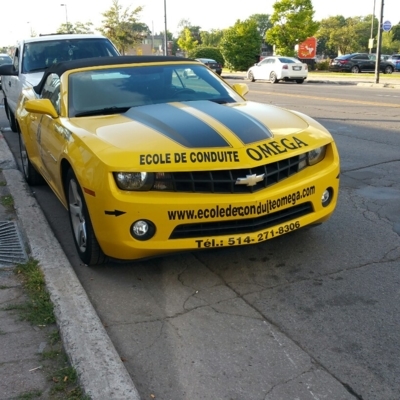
(148, 163)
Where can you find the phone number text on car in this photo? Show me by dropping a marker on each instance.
(248, 239)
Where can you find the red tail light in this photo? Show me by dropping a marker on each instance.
(284, 66)
(343, 61)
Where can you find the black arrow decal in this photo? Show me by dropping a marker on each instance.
(116, 213)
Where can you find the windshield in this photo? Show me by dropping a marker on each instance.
(111, 90)
(40, 55)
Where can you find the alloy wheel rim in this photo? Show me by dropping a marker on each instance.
(77, 216)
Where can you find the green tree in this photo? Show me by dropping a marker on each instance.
(292, 23)
(118, 26)
(186, 41)
(79, 27)
(389, 44)
(263, 23)
(240, 45)
(396, 32)
(212, 38)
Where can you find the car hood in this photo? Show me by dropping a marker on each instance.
(33, 78)
(244, 133)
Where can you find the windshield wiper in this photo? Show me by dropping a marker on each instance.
(103, 111)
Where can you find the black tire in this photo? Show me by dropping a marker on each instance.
(250, 77)
(299, 81)
(32, 177)
(85, 240)
(10, 117)
(273, 78)
(355, 69)
(388, 69)
(7, 111)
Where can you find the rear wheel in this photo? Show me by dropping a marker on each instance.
(30, 174)
(85, 240)
(250, 76)
(299, 80)
(355, 69)
(273, 78)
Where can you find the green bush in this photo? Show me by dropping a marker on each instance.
(322, 65)
(207, 52)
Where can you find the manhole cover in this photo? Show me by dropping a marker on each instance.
(11, 246)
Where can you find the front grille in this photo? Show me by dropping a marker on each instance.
(241, 226)
(224, 181)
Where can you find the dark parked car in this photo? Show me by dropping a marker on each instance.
(359, 62)
(395, 61)
(4, 59)
(214, 65)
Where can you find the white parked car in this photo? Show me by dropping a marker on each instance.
(278, 68)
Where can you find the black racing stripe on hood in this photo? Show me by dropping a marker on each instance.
(178, 125)
(247, 128)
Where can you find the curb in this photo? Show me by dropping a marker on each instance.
(328, 81)
(101, 372)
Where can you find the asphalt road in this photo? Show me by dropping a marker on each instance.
(313, 314)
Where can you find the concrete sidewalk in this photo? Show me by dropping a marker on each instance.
(102, 375)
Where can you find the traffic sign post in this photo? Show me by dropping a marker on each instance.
(386, 26)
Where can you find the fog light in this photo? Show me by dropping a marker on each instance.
(327, 197)
(143, 229)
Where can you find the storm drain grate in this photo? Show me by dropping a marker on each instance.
(11, 245)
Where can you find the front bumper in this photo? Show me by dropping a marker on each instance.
(190, 221)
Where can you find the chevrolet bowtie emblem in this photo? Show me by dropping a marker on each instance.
(250, 180)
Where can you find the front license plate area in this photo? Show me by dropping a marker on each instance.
(253, 238)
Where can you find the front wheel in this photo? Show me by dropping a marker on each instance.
(388, 70)
(30, 174)
(250, 77)
(11, 117)
(85, 240)
(273, 78)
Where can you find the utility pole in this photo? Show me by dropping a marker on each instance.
(379, 45)
(371, 44)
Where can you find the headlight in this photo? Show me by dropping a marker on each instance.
(315, 156)
(134, 180)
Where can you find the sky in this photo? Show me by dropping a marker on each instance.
(45, 16)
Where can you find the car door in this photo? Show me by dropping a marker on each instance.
(51, 134)
(261, 70)
(365, 63)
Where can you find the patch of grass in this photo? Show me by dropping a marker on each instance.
(7, 201)
(39, 311)
(2, 183)
(35, 394)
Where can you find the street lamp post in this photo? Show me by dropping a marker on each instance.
(165, 29)
(66, 16)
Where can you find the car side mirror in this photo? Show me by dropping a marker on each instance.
(241, 88)
(8, 70)
(41, 106)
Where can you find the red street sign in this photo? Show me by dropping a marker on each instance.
(308, 49)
